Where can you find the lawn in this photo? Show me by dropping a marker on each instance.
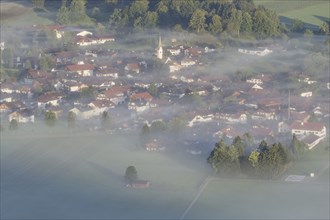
(313, 13)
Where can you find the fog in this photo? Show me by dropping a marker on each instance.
(51, 173)
(61, 173)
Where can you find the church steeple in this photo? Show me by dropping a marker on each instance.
(159, 50)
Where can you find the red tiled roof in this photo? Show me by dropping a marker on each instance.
(81, 67)
(141, 96)
(307, 126)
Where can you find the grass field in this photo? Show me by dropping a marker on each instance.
(16, 14)
(82, 177)
(313, 13)
(257, 199)
(48, 174)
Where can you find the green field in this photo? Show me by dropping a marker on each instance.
(82, 177)
(49, 174)
(253, 199)
(313, 12)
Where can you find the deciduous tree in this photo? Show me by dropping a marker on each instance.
(131, 174)
(50, 118)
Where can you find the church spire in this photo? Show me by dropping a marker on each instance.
(159, 50)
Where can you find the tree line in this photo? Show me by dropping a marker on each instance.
(265, 161)
(235, 17)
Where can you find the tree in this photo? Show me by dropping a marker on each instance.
(153, 90)
(298, 26)
(145, 130)
(224, 159)
(13, 125)
(151, 19)
(43, 63)
(8, 57)
(71, 119)
(215, 26)
(197, 21)
(77, 12)
(254, 159)
(27, 64)
(105, 120)
(234, 23)
(324, 28)
(238, 144)
(296, 147)
(38, 3)
(157, 126)
(176, 124)
(246, 24)
(63, 14)
(138, 8)
(278, 158)
(131, 174)
(50, 118)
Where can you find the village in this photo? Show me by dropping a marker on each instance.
(90, 80)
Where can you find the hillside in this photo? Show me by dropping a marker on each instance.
(312, 13)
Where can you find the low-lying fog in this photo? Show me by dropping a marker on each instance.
(81, 175)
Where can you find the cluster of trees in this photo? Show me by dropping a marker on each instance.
(214, 16)
(266, 161)
(74, 13)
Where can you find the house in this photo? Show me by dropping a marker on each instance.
(259, 52)
(174, 51)
(140, 102)
(102, 104)
(186, 62)
(108, 72)
(305, 128)
(152, 145)
(263, 115)
(64, 57)
(73, 86)
(229, 132)
(21, 116)
(238, 117)
(306, 94)
(84, 33)
(139, 184)
(132, 67)
(32, 75)
(311, 140)
(49, 99)
(81, 69)
(200, 119)
(116, 94)
(57, 29)
(87, 112)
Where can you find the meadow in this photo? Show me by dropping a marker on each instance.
(83, 177)
(55, 174)
(312, 13)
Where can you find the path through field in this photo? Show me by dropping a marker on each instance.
(201, 189)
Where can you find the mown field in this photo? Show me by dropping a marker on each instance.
(55, 174)
(313, 13)
(82, 177)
